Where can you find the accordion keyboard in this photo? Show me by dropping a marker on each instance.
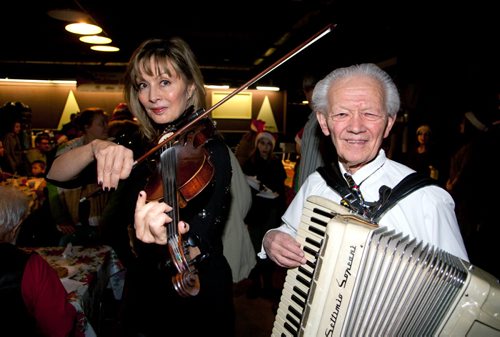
(297, 287)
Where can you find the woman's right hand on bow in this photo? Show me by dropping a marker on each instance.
(114, 162)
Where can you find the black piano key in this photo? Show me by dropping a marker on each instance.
(297, 300)
(316, 231)
(311, 264)
(313, 243)
(310, 250)
(305, 272)
(293, 321)
(300, 292)
(291, 329)
(327, 214)
(303, 281)
(294, 311)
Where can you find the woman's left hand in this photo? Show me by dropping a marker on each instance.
(150, 221)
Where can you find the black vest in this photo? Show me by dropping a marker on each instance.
(14, 317)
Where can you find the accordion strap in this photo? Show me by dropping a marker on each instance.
(388, 197)
(410, 183)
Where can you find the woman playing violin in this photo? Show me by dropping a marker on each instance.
(162, 83)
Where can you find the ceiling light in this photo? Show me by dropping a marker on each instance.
(105, 48)
(95, 39)
(215, 86)
(269, 52)
(258, 61)
(69, 15)
(83, 28)
(12, 80)
(268, 88)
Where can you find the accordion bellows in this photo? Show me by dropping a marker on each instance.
(365, 280)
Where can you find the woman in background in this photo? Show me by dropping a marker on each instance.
(14, 154)
(266, 175)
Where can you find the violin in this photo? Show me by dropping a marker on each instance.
(189, 159)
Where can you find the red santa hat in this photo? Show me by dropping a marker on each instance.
(257, 125)
(267, 135)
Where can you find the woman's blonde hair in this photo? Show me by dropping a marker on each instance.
(174, 51)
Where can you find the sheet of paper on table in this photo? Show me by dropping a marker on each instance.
(70, 285)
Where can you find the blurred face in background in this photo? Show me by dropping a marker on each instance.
(423, 136)
(37, 169)
(98, 129)
(265, 148)
(16, 128)
(44, 145)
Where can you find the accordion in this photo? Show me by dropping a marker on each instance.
(365, 280)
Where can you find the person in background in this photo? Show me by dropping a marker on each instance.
(59, 138)
(123, 128)
(42, 149)
(238, 248)
(246, 145)
(81, 227)
(14, 153)
(424, 157)
(470, 129)
(71, 129)
(266, 176)
(38, 169)
(309, 141)
(39, 229)
(121, 112)
(4, 174)
(356, 107)
(163, 88)
(32, 298)
(474, 183)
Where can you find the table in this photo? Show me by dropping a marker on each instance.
(31, 187)
(90, 271)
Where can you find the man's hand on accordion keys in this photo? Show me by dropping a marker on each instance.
(283, 249)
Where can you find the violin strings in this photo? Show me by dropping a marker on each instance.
(168, 164)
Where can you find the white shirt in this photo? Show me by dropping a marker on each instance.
(427, 214)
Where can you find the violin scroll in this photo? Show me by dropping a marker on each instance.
(185, 255)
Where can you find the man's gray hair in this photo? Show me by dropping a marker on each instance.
(391, 94)
(14, 206)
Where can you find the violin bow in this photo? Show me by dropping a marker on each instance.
(198, 115)
(202, 113)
